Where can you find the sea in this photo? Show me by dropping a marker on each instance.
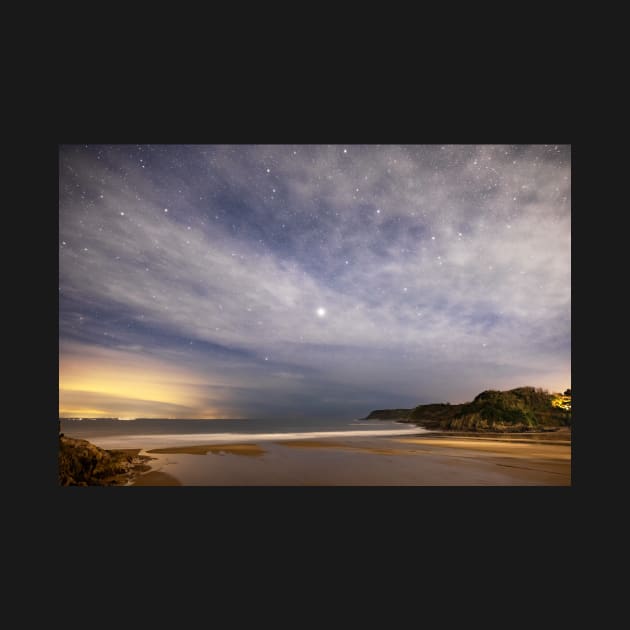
(149, 433)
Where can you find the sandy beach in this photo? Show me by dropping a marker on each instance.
(431, 459)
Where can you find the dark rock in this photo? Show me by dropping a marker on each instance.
(82, 463)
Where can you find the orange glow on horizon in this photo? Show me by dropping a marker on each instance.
(97, 382)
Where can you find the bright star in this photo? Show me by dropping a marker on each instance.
(321, 312)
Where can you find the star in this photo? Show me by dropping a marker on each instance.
(257, 275)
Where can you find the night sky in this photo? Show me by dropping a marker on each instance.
(317, 281)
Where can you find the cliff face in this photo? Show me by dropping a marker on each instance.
(520, 409)
(81, 463)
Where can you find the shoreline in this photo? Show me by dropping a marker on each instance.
(562, 434)
(422, 457)
(431, 458)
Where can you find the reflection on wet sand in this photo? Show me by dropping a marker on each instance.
(347, 446)
(217, 449)
(437, 459)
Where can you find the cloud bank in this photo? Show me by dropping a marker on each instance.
(442, 271)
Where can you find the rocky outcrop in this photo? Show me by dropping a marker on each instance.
(81, 463)
(515, 410)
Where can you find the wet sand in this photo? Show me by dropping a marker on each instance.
(520, 450)
(433, 459)
(202, 449)
(376, 450)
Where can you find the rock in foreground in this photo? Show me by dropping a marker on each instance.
(81, 463)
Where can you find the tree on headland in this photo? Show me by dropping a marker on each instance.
(567, 392)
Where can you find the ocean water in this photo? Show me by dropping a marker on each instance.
(156, 433)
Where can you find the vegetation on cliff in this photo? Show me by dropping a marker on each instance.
(520, 409)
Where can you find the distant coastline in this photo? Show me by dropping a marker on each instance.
(519, 410)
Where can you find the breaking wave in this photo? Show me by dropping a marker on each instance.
(149, 441)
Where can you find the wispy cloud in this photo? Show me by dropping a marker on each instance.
(427, 260)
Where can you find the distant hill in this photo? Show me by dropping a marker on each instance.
(520, 409)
